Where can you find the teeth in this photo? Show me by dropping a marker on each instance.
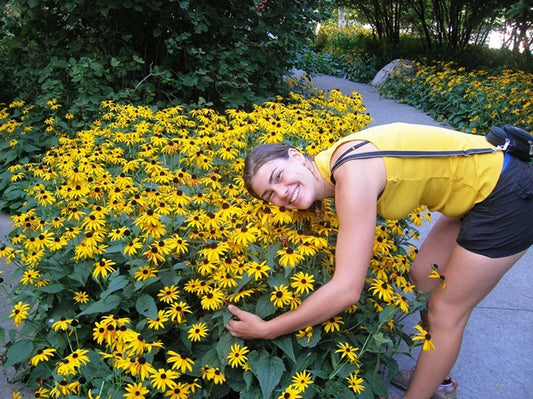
(295, 194)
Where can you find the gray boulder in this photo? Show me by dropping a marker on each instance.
(391, 67)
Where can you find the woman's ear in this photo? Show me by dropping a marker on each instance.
(296, 155)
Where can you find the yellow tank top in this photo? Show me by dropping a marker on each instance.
(450, 185)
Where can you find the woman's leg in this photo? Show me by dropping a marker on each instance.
(435, 250)
(470, 277)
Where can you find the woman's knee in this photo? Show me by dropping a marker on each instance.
(445, 316)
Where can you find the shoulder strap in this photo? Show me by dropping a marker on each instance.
(345, 157)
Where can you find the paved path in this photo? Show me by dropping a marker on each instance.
(496, 361)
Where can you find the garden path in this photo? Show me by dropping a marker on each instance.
(497, 356)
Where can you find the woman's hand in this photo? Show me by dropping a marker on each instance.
(248, 325)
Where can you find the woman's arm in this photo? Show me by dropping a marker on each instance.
(356, 193)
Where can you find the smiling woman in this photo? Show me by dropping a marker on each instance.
(365, 175)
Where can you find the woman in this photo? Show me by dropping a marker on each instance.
(487, 205)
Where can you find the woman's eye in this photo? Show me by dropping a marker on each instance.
(278, 177)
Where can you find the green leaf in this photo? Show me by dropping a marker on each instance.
(377, 385)
(264, 307)
(381, 343)
(224, 346)
(146, 306)
(138, 59)
(285, 344)
(103, 305)
(116, 284)
(53, 288)
(81, 273)
(387, 314)
(267, 369)
(19, 352)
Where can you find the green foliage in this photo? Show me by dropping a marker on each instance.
(226, 53)
(357, 54)
(136, 233)
(468, 100)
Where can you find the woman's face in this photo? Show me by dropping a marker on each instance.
(286, 182)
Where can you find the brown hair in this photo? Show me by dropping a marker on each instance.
(258, 157)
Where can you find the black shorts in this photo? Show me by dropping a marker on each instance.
(502, 224)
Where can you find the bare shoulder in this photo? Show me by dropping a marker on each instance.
(367, 174)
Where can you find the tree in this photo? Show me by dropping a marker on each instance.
(519, 16)
(383, 15)
(450, 24)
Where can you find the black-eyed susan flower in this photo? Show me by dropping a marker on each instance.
(42, 355)
(402, 302)
(213, 300)
(197, 332)
(302, 282)
(178, 244)
(436, 275)
(280, 296)
(63, 388)
(66, 367)
(245, 235)
(81, 297)
(180, 391)
(163, 379)
(62, 324)
(137, 345)
(179, 361)
(382, 289)
(237, 356)
(355, 383)
(307, 333)
(258, 270)
(30, 276)
(145, 272)
(103, 267)
(168, 294)
(177, 310)
(19, 313)
(131, 248)
(136, 390)
(159, 322)
(290, 393)
(347, 352)
(140, 367)
(424, 336)
(154, 255)
(301, 380)
(289, 257)
(43, 393)
(333, 324)
(79, 357)
(296, 300)
(213, 374)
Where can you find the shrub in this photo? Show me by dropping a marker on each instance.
(137, 233)
(228, 54)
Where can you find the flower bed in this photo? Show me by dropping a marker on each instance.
(471, 101)
(137, 233)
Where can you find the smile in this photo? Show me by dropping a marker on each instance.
(295, 194)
